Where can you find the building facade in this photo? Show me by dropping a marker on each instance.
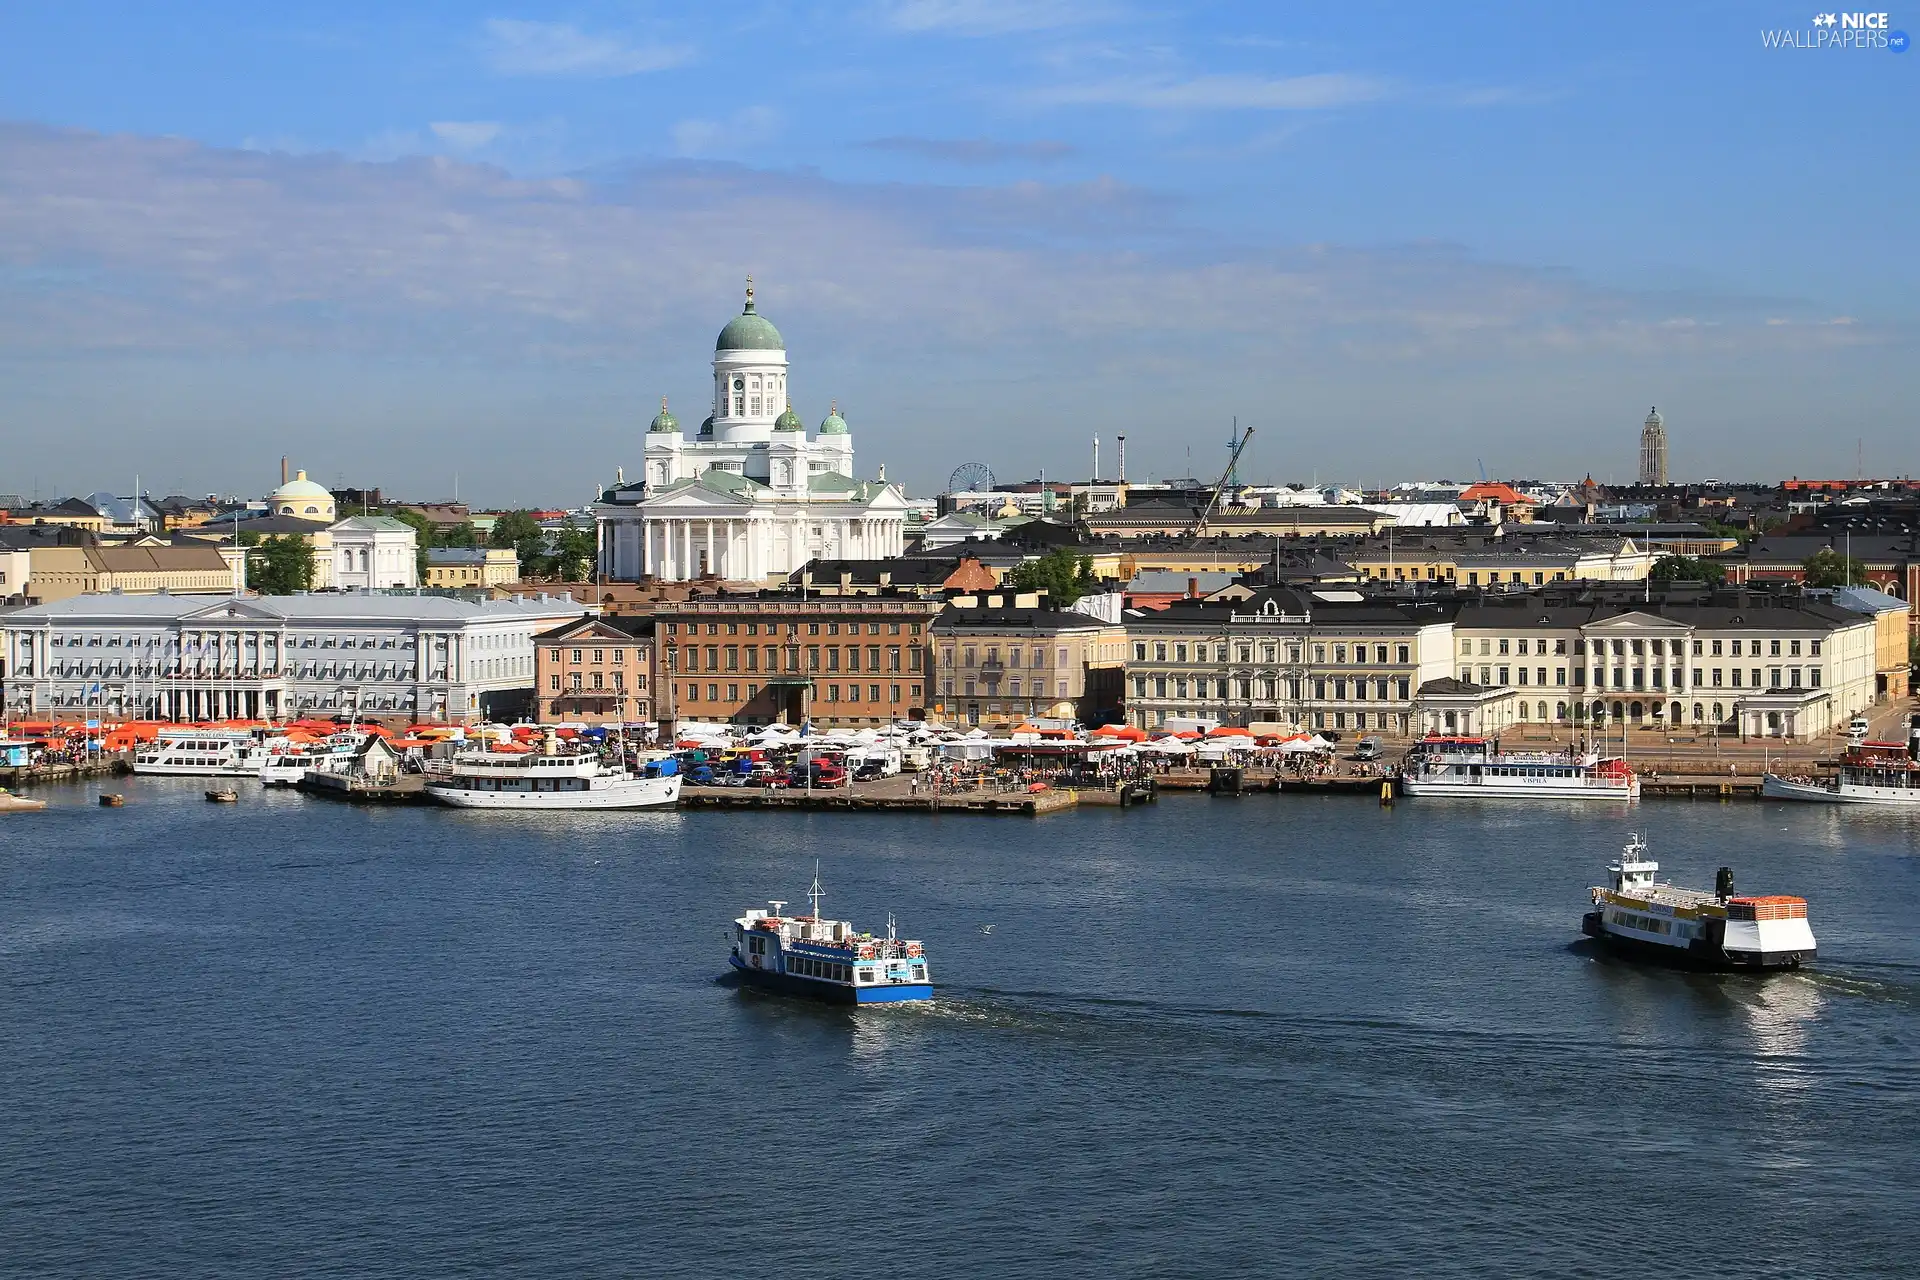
(1291, 659)
(185, 658)
(374, 553)
(750, 498)
(781, 658)
(472, 567)
(998, 666)
(595, 671)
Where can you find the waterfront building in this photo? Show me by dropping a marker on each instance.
(1776, 664)
(1653, 449)
(999, 665)
(1291, 659)
(781, 657)
(61, 564)
(373, 552)
(1485, 558)
(750, 497)
(472, 566)
(186, 658)
(595, 670)
(1141, 519)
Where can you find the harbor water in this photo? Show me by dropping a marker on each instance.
(1213, 1037)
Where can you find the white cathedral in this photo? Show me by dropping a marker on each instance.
(750, 498)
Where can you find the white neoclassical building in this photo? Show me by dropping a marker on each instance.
(751, 497)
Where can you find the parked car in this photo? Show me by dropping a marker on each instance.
(1367, 748)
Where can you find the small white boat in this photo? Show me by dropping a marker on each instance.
(286, 767)
(550, 779)
(826, 959)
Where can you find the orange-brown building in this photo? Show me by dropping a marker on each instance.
(780, 657)
(596, 671)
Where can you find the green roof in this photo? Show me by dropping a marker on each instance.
(664, 422)
(749, 331)
(788, 421)
(833, 424)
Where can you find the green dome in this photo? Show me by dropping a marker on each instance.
(788, 421)
(664, 423)
(834, 424)
(749, 331)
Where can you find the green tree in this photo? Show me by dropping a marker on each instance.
(280, 566)
(519, 531)
(574, 554)
(1064, 576)
(1829, 568)
(458, 535)
(1687, 569)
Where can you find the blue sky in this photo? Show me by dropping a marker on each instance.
(402, 241)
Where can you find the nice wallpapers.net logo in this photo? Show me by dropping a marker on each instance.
(1838, 31)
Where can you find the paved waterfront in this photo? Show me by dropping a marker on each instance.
(1265, 1035)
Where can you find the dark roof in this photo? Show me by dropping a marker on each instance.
(930, 570)
(611, 627)
(990, 618)
(1453, 685)
(23, 537)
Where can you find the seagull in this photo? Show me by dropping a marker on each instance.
(986, 928)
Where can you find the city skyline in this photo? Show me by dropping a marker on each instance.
(406, 247)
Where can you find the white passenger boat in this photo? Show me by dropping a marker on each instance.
(205, 753)
(1881, 773)
(1442, 767)
(287, 765)
(1692, 928)
(549, 779)
(824, 959)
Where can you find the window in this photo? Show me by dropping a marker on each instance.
(1813, 650)
(1503, 649)
(1139, 650)
(1405, 655)
(553, 683)
(553, 655)
(873, 693)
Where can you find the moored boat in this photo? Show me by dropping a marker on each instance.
(827, 959)
(1457, 767)
(204, 753)
(1692, 928)
(551, 779)
(1881, 773)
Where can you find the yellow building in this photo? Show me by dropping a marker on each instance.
(472, 567)
(59, 573)
(999, 665)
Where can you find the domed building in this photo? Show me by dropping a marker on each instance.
(302, 499)
(749, 498)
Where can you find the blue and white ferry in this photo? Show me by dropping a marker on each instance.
(825, 959)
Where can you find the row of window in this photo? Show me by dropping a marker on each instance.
(793, 628)
(599, 655)
(749, 658)
(1657, 678)
(1323, 689)
(1381, 720)
(1337, 652)
(1035, 688)
(1037, 657)
(576, 682)
(1642, 648)
(849, 692)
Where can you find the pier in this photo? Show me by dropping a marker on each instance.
(897, 795)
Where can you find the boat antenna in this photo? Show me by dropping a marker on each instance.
(814, 894)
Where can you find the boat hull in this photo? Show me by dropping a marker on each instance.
(198, 770)
(1777, 788)
(831, 992)
(1697, 955)
(647, 793)
(1496, 789)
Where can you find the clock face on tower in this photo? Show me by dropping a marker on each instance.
(739, 384)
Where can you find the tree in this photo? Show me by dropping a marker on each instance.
(1064, 576)
(280, 566)
(458, 535)
(1687, 569)
(574, 554)
(1829, 568)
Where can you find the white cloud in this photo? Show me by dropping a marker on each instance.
(989, 17)
(519, 48)
(465, 135)
(1226, 92)
(742, 131)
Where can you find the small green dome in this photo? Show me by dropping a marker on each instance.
(664, 423)
(749, 331)
(833, 424)
(706, 428)
(788, 421)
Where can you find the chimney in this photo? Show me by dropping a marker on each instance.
(1193, 588)
(1123, 459)
(1096, 458)
(283, 468)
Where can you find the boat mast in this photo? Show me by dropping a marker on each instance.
(814, 894)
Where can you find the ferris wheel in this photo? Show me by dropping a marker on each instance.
(971, 477)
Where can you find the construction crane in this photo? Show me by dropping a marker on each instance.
(1233, 460)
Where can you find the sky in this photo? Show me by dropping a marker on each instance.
(444, 247)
